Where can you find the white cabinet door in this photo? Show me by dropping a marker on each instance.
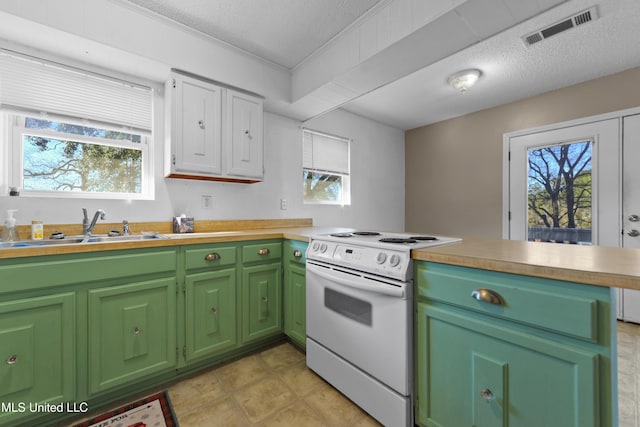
(243, 135)
(196, 127)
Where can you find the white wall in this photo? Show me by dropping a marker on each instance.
(377, 166)
(377, 157)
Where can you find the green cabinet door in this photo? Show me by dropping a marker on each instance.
(261, 301)
(474, 371)
(295, 322)
(132, 332)
(210, 313)
(37, 353)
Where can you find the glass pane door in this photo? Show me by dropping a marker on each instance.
(559, 193)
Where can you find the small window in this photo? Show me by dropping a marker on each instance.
(61, 157)
(325, 173)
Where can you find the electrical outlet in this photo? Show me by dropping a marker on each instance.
(284, 204)
(206, 202)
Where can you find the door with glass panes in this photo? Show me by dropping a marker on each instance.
(564, 185)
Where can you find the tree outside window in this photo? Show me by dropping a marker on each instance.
(560, 193)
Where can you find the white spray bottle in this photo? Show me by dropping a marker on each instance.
(9, 231)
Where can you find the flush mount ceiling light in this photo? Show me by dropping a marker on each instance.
(463, 80)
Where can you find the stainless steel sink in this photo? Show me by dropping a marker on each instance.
(38, 243)
(80, 240)
(130, 238)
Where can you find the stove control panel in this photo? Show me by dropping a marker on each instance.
(385, 262)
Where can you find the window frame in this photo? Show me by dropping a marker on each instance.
(125, 104)
(15, 156)
(345, 178)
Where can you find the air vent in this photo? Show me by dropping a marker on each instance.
(579, 18)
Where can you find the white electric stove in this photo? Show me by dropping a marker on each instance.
(359, 317)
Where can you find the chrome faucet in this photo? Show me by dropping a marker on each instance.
(125, 227)
(87, 228)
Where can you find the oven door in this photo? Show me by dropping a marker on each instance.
(363, 319)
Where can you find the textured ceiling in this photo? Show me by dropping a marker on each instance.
(512, 71)
(288, 31)
(282, 31)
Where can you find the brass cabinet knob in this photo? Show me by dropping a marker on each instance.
(487, 395)
(12, 360)
(297, 254)
(263, 251)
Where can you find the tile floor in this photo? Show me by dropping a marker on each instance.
(270, 388)
(628, 374)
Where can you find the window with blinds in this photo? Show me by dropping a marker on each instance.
(74, 133)
(325, 162)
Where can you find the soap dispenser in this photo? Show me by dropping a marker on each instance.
(9, 231)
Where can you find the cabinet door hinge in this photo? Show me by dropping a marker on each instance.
(184, 352)
(173, 159)
(509, 215)
(173, 83)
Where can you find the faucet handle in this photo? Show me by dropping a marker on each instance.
(125, 227)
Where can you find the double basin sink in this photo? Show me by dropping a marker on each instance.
(73, 240)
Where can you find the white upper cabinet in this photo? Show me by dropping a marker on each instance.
(244, 135)
(213, 132)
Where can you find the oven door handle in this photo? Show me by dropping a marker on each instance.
(381, 288)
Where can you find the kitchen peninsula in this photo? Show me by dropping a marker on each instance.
(527, 331)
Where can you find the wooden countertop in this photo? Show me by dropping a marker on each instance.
(595, 265)
(207, 231)
(292, 233)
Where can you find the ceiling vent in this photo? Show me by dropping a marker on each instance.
(579, 18)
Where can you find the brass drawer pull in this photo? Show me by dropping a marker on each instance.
(297, 254)
(213, 256)
(136, 330)
(12, 360)
(487, 295)
(263, 251)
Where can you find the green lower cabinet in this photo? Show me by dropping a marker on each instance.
(37, 354)
(132, 332)
(210, 313)
(261, 301)
(473, 372)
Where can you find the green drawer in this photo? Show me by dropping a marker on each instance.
(295, 251)
(558, 306)
(210, 257)
(259, 252)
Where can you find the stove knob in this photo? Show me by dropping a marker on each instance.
(323, 247)
(315, 246)
(394, 260)
(382, 257)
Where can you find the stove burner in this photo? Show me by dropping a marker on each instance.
(341, 234)
(423, 238)
(397, 240)
(365, 233)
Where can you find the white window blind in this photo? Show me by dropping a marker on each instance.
(35, 86)
(325, 153)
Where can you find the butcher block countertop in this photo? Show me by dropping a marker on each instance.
(594, 265)
(206, 232)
